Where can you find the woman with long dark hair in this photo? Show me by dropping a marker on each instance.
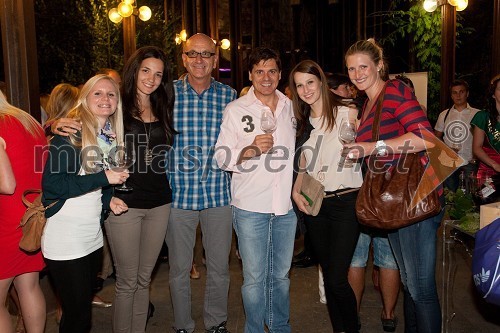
(334, 231)
(136, 237)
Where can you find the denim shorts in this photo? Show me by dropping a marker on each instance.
(382, 252)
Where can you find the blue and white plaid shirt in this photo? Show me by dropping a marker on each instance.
(197, 182)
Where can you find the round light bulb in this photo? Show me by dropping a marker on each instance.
(225, 44)
(183, 35)
(145, 13)
(454, 3)
(178, 39)
(129, 2)
(114, 16)
(430, 5)
(125, 9)
(461, 5)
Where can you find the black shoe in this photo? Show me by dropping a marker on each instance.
(221, 328)
(99, 282)
(299, 256)
(151, 312)
(389, 325)
(304, 263)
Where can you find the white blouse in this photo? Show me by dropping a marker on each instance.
(322, 163)
(75, 230)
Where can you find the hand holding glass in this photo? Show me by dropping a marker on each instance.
(123, 159)
(347, 134)
(268, 123)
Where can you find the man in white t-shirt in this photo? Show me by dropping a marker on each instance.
(453, 127)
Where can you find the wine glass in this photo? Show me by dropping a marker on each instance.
(347, 134)
(121, 160)
(268, 123)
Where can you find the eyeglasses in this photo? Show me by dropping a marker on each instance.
(203, 54)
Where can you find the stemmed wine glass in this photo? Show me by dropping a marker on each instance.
(122, 159)
(347, 134)
(268, 123)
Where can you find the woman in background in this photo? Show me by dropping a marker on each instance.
(78, 179)
(21, 156)
(486, 133)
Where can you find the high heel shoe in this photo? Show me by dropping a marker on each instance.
(20, 324)
(100, 303)
(194, 274)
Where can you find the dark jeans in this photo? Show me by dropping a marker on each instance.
(74, 283)
(334, 234)
(414, 247)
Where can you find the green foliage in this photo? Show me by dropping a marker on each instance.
(424, 31)
(75, 38)
(460, 206)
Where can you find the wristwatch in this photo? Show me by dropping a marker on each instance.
(381, 148)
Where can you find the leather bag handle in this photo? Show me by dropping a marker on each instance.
(376, 117)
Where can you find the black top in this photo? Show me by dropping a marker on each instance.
(150, 184)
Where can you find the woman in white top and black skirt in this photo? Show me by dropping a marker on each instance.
(334, 231)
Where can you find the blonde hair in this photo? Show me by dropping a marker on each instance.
(29, 123)
(62, 99)
(90, 125)
(372, 50)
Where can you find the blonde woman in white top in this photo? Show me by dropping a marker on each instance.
(334, 231)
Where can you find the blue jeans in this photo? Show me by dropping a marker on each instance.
(382, 252)
(266, 249)
(415, 250)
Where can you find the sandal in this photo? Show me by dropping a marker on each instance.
(20, 324)
(389, 325)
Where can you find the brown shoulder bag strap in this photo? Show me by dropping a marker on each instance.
(376, 117)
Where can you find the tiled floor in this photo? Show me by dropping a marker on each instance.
(307, 313)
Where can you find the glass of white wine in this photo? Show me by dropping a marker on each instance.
(268, 123)
(123, 159)
(347, 134)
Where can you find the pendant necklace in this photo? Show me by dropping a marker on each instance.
(148, 154)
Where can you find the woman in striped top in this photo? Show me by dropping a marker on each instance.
(402, 127)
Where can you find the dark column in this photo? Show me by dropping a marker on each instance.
(188, 17)
(213, 17)
(448, 38)
(256, 36)
(21, 66)
(213, 29)
(495, 55)
(203, 16)
(128, 36)
(235, 37)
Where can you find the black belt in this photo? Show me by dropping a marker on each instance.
(337, 193)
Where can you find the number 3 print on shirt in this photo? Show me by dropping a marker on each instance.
(249, 121)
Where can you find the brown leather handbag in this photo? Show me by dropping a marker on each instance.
(33, 222)
(395, 196)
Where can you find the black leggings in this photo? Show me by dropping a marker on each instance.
(334, 234)
(74, 283)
